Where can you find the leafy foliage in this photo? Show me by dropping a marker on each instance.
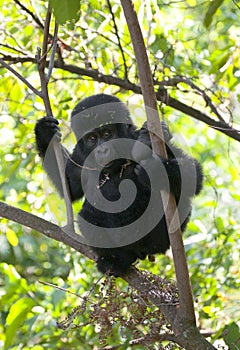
(213, 7)
(195, 40)
(119, 312)
(66, 10)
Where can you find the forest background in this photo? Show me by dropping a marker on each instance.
(194, 49)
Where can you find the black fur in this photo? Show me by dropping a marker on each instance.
(184, 175)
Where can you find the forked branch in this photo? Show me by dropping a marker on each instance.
(44, 78)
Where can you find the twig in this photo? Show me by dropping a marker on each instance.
(119, 41)
(43, 59)
(60, 288)
(20, 77)
(12, 49)
(34, 17)
(54, 48)
(176, 80)
(40, 24)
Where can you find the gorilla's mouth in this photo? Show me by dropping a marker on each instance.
(105, 165)
(108, 164)
(111, 165)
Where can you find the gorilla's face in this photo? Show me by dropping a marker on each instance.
(106, 154)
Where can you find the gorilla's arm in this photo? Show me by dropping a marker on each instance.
(184, 173)
(46, 130)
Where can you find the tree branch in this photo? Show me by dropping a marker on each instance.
(143, 282)
(184, 324)
(119, 41)
(45, 227)
(186, 311)
(162, 95)
(20, 77)
(54, 48)
(42, 59)
(180, 79)
(34, 17)
(196, 114)
(135, 278)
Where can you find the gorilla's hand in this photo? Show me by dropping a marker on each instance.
(45, 129)
(144, 134)
(155, 168)
(144, 137)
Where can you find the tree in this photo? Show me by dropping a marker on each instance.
(107, 61)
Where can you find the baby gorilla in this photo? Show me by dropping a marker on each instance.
(113, 166)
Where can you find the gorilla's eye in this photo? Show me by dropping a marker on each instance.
(92, 138)
(107, 134)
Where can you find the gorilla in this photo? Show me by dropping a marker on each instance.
(113, 166)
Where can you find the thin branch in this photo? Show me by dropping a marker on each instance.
(13, 49)
(20, 77)
(34, 17)
(198, 115)
(45, 38)
(41, 60)
(152, 338)
(176, 80)
(66, 193)
(44, 84)
(54, 47)
(17, 42)
(223, 127)
(119, 41)
(236, 4)
(162, 95)
(62, 289)
(17, 59)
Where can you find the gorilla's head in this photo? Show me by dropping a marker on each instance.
(96, 111)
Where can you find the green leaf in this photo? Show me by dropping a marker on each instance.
(160, 43)
(12, 237)
(232, 336)
(220, 61)
(214, 5)
(219, 224)
(65, 10)
(17, 315)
